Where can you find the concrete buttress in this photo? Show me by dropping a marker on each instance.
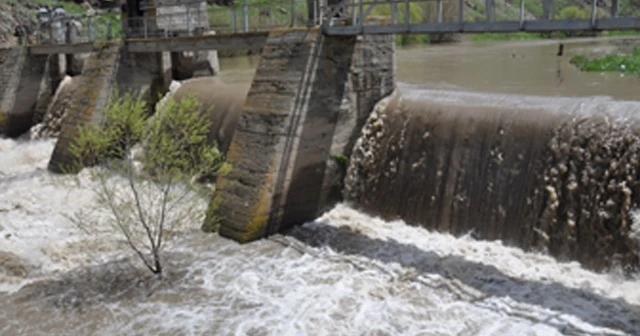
(108, 68)
(302, 105)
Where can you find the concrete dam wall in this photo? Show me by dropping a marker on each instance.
(558, 175)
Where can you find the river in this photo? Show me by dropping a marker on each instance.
(346, 273)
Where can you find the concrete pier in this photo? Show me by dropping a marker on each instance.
(112, 67)
(299, 108)
(27, 83)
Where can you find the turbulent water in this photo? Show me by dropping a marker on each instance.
(344, 274)
(554, 174)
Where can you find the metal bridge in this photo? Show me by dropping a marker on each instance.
(191, 25)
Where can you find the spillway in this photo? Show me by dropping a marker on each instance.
(558, 175)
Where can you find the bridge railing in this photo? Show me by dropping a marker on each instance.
(427, 16)
(220, 19)
(77, 29)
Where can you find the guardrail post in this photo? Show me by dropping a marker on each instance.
(361, 13)
(245, 16)
(407, 14)
(439, 14)
(189, 28)
(594, 12)
(547, 9)
(51, 39)
(234, 25)
(293, 13)
(488, 8)
(460, 11)
(394, 11)
(614, 8)
(521, 14)
(90, 29)
(109, 32)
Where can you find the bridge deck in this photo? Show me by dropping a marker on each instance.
(240, 41)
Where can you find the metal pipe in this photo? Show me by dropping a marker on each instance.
(614, 8)
(460, 11)
(361, 12)
(293, 13)
(439, 14)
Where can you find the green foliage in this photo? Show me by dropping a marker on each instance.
(150, 189)
(506, 36)
(572, 13)
(534, 7)
(341, 160)
(621, 33)
(619, 63)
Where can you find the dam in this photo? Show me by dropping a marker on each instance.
(475, 181)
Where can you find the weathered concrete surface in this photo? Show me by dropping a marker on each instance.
(91, 97)
(371, 78)
(25, 86)
(109, 68)
(57, 111)
(283, 142)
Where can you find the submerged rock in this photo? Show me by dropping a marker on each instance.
(13, 265)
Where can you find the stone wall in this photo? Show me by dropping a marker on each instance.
(300, 108)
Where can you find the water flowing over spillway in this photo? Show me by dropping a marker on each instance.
(552, 174)
(344, 274)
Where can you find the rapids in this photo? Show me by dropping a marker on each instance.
(345, 273)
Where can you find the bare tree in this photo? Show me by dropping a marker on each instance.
(146, 174)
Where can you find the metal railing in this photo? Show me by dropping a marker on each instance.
(232, 19)
(76, 29)
(346, 17)
(426, 16)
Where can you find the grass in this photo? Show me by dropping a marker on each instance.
(506, 36)
(623, 63)
(621, 33)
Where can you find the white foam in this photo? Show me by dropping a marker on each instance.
(364, 276)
